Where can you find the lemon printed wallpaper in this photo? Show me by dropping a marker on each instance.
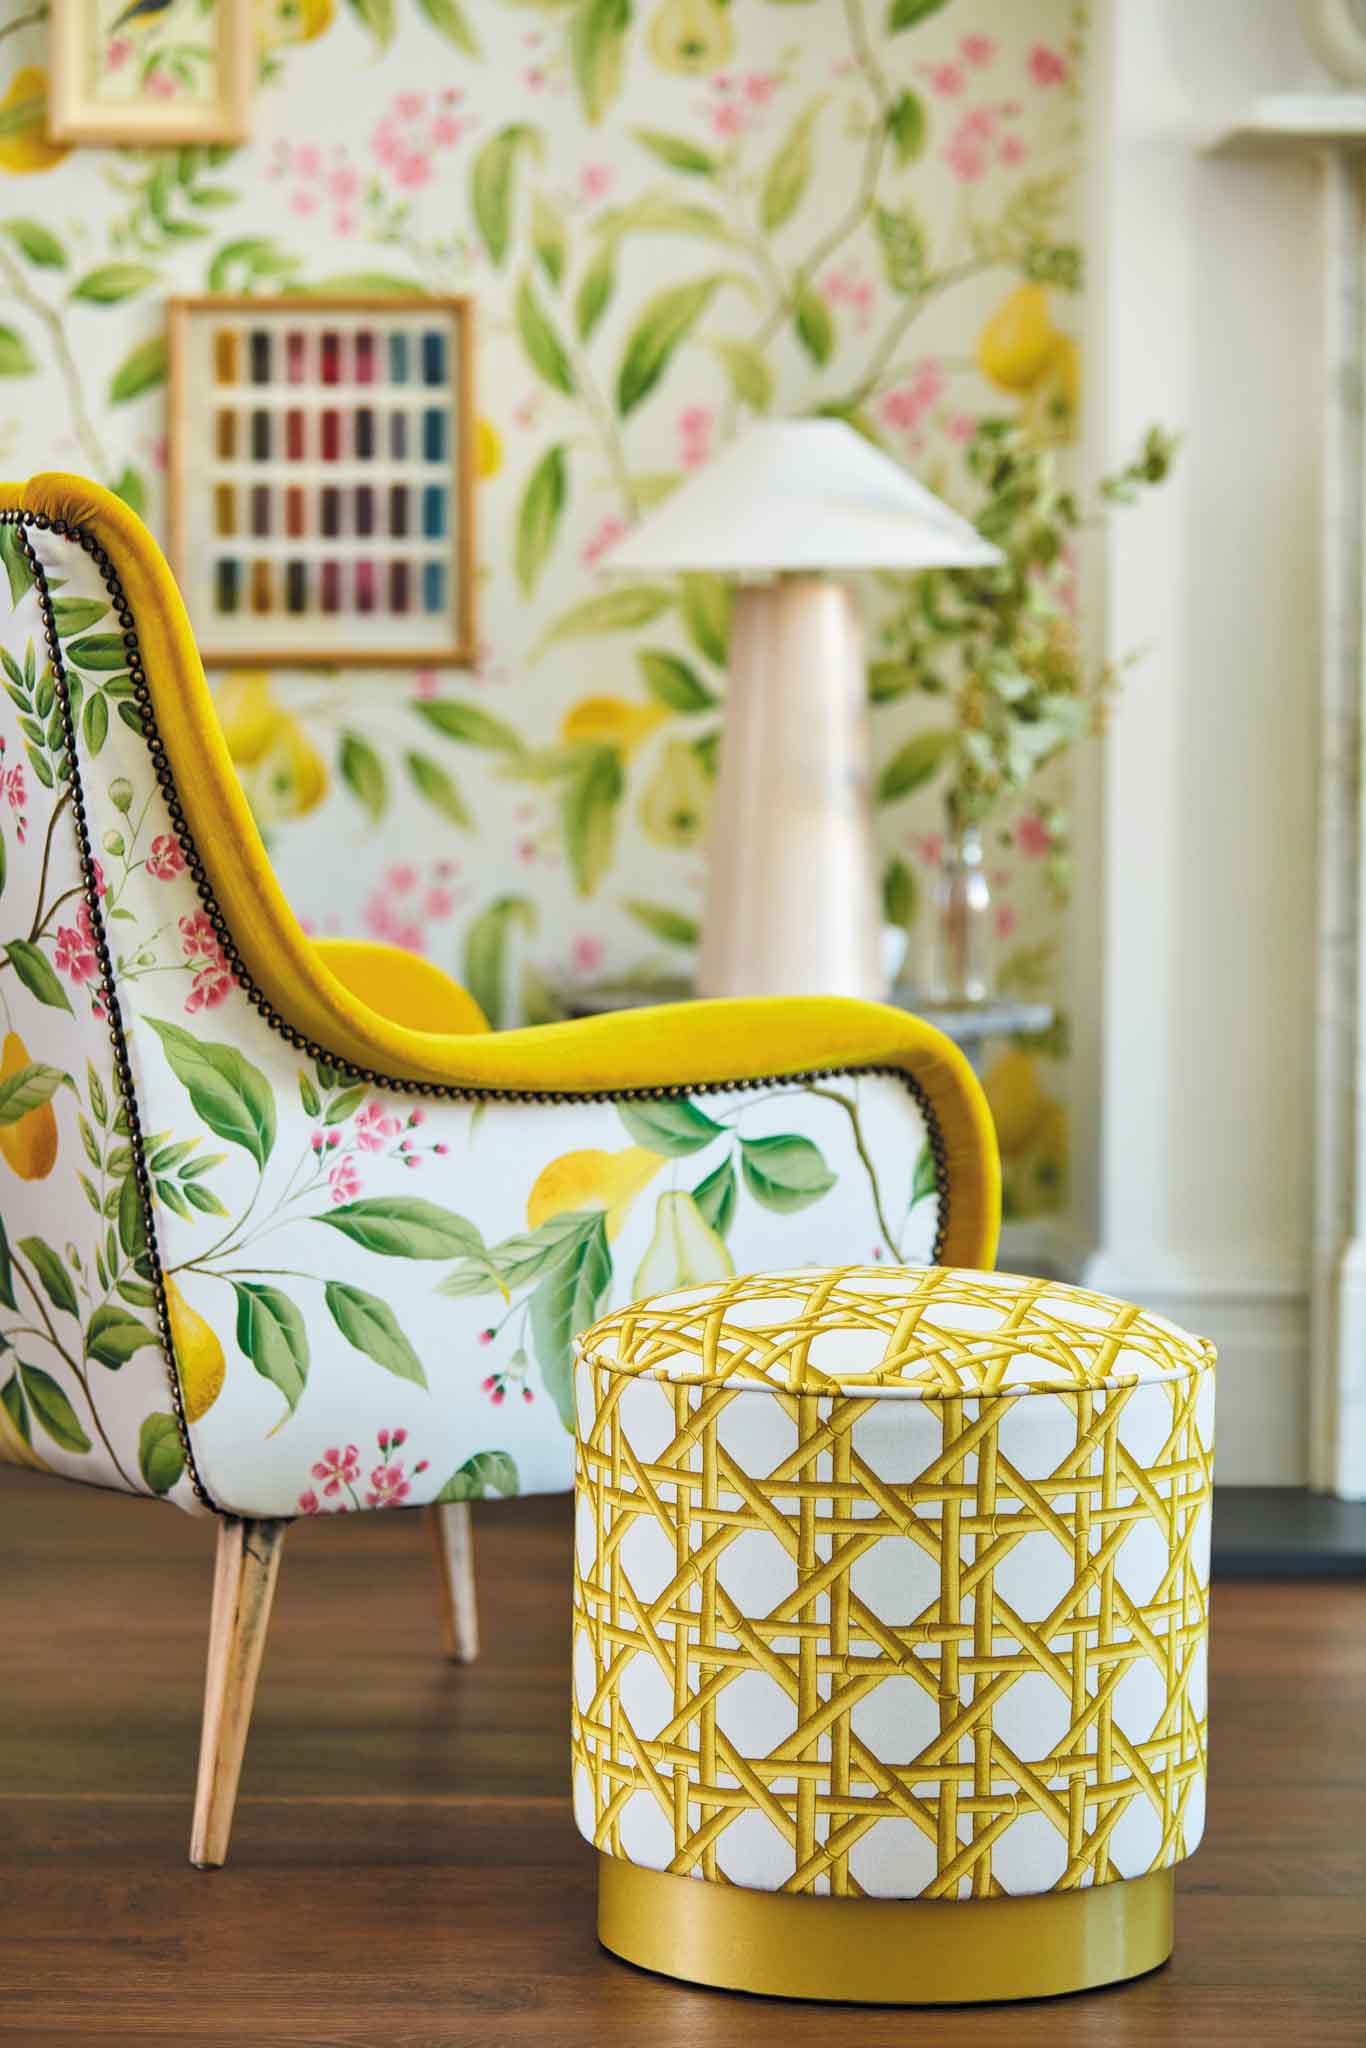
(675, 216)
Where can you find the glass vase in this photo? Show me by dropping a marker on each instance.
(960, 967)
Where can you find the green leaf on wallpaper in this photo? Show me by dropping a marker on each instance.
(539, 515)
(904, 14)
(595, 290)
(903, 248)
(913, 765)
(35, 971)
(226, 1091)
(591, 797)
(404, 1227)
(670, 925)
(486, 945)
(36, 242)
(48, 1265)
(16, 357)
(751, 379)
(469, 725)
(674, 1127)
(112, 283)
(924, 1180)
(716, 1197)
(541, 342)
(160, 1457)
(541, 1003)
(786, 1173)
(906, 126)
(888, 680)
(566, 1301)
(548, 238)
(77, 614)
(899, 893)
(673, 681)
(597, 45)
(667, 320)
(52, 1409)
(815, 328)
(371, 1326)
(102, 651)
(485, 1473)
(363, 772)
(432, 783)
(130, 487)
(704, 601)
(240, 265)
(659, 213)
(272, 1334)
(450, 20)
(612, 611)
(378, 16)
(112, 1336)
(370, 284)
(789, 173)
(491, 191)
(17, 571)
(677, 152)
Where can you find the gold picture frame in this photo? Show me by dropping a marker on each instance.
(135, 71)
(321, 469)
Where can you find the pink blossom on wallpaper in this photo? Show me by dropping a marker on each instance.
(375, 1126)
(759, 87)
(337, 1468)
(1006, 921)
(1013, 150)
(344, 183)
(410, 106)
(403, 878)
(75, 954)
(906, 405)
(308, 160)
(965, 156)
(605, 535)
(596, 181)
(587, 953)
(165, 860)
(696, 424)
(847, 286)
(344, 1181)
(947, 80)
(727, 119)
(438, 903)
(117, 51)
(1047, 66)
(977, 50)
(928, 848)
(981, 122)
(961, 427)
(413, 170)
(534, 79)
(160, 85)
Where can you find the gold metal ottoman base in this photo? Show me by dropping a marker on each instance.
(884, 1951)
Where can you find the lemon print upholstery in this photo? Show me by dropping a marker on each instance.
(892, 1585)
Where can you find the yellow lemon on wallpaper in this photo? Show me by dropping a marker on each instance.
(294, 21)
(26, 147)
(610, 722)
(677, 798)
(30, 1143)
(1016, 1098)
(198, 1355)
(683, 1251)
(1034, 1178)
(248, 713)
(1014, 347)
(691, 35)
(488, 449)
(1052, 409)
(289, 779)
(592, 1180)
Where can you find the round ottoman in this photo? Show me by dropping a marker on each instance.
(891, 1599)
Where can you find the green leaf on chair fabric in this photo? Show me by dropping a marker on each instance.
(517, 1261)
(35, 971)
(363, 773)
(450, 21)
(716, 1197)
(52, 1271)
(132, 1223)
(17, 570)
(7, 1295)
(674, 1127)
(439, 789)
(52, 1410)
(16, 1407)
(923, 1181)
(160, 1457)
(77, 614)
(597, 48)
(226, 1091)
(593, 789)
(112, 1336)
(491, 191)
(404, 1227)
(485, 1473)
(142, 369)
(673, 681)
(102, 651)
(664, 324)
(271, 1333)
(372, 1327)
(543, 346)
(95, 722)
(539, 515)
(567, 1299)
(789, 173)
(785, 1173)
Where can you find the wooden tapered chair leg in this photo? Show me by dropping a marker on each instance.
(453, 1541)
(245, 1572)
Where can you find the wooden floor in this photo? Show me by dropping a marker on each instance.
(405, 1870)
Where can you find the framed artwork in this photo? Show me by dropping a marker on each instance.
(151, 71)
(321, 470)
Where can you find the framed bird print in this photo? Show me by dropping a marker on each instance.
(150, 71)
(321, 479)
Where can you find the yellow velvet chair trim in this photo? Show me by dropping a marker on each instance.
(673, 1046)
(407, 988)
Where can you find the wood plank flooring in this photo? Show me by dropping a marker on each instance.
(405, 1870)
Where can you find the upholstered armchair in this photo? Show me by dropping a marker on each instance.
(285, 1230)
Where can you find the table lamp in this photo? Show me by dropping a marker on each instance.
(793, 899)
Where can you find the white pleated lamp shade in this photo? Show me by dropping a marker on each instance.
(799, 495)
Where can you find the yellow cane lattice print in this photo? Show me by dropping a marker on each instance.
(968, 1505)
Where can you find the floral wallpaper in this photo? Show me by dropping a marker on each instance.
(675, 216)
